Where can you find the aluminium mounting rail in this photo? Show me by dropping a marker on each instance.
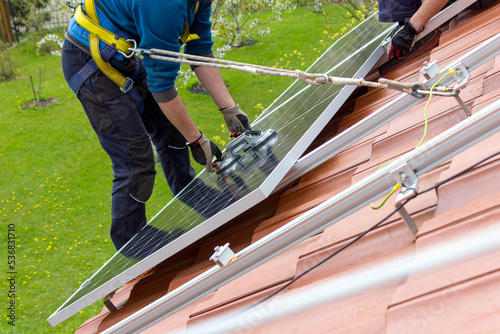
(438, 150)
(429, 258)
(472, 60)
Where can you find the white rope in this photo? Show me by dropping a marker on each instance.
(314, 79)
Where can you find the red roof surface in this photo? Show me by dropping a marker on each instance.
(463, 298)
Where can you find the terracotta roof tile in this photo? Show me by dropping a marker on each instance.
(448, 52)
(470, 307)
(469, 21)
(466, 195)
(418, 286)
(270, 274)
(379, 245)
(461, 298)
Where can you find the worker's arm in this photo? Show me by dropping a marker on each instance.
(428, 9)
(211, 79)
(178, 115)
(235, 118)
(202, 149)
(403, 36)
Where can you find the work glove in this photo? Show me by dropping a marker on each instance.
(236, 120)
(203, 150)
(402, 39)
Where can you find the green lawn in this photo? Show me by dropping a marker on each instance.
(55, 180)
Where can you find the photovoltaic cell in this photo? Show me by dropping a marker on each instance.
(293, 121)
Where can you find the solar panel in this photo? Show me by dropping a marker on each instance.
(288, 127)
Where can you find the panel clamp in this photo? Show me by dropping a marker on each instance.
(405, 176)
(223, 255)
(430, 70)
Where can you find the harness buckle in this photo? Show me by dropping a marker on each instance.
(133, 49)
(70, 5)
(129, 84)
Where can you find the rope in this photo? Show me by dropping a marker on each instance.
(314, 79)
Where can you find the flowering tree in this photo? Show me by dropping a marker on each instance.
(238, 22)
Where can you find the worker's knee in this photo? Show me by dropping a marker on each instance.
(141, 186)
(143, 170)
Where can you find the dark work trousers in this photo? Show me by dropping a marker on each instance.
(397, 10)
(125, 136)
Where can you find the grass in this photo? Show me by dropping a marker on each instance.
(55, 180)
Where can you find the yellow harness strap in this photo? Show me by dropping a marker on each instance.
(186, 36)
(97, 33)
(105, 35)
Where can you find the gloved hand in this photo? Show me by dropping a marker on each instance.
(402, 39)
(203, 150)
(236, 120)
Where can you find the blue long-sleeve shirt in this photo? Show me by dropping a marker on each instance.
(159, 24)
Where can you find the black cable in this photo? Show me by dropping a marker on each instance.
(321, 262)
(458, 174)
(364, 233)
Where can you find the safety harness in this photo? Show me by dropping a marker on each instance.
(87, 18)
(106, 41)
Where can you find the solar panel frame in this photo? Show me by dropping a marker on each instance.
(370, 52)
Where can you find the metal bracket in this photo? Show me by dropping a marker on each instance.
(223, 255)
(107, 302)
(461, 76)
(409, 182)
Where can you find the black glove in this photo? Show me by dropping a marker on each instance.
(236, 120)
(203, 150)
(402, 39)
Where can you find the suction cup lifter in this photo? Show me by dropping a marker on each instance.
(251, 146)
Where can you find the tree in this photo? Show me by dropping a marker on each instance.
(27, 13)
(238, 22)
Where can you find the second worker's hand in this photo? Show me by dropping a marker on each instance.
(203, 151)
(402, 39)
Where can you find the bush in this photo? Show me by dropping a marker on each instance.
(50, 44)
(26, 13)
(236, 24)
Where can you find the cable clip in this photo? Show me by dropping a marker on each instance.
(223, 255)
(405, 176)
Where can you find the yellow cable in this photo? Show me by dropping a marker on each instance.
(426, 122)
(396, 187)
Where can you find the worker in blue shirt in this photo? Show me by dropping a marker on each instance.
(130, 101)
